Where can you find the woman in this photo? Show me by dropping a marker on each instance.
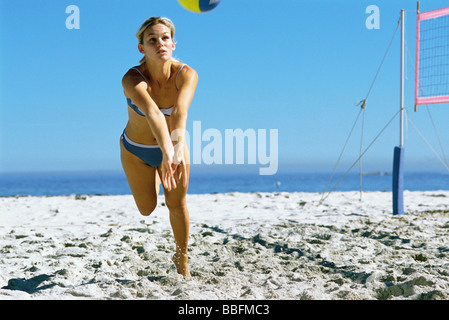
(153, 148)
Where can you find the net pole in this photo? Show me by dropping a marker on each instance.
(401, 134)
(398, 157)
(417, 56)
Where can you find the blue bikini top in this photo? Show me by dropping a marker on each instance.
(165, 111)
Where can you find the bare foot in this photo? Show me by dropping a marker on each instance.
(180, 262)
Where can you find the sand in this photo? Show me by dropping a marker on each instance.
(245, 246)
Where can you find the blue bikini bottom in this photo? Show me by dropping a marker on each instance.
(150, 154)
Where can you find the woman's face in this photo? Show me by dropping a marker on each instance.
(157, 43)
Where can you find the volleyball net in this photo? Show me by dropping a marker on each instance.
(432, 57)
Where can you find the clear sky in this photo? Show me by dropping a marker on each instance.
(295, 66)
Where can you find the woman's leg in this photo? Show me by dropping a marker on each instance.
(142, 180)
(144, 184)
(179, 220)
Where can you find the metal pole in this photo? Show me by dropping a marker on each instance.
(398, 158)
(401, 142)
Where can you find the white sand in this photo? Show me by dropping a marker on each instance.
(242, 246)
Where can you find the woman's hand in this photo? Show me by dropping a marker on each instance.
(167, 172)
(179, 165)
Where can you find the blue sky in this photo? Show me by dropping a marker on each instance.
(295, 66)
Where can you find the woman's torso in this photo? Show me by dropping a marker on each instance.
(137, 128)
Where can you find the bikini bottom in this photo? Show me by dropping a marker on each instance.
(150, 154)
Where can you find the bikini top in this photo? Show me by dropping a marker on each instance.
(165, 111)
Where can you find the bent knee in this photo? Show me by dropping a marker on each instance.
(146, 209)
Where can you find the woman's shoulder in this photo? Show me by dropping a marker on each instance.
(185, 71)
(133, 77)
(131, 72)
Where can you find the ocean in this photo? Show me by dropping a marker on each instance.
(114, 183)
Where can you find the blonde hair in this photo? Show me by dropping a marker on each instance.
(151, 22)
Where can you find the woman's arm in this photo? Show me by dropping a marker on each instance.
(187, 82)
(136, 90)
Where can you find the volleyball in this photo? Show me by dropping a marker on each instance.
(199, 6)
